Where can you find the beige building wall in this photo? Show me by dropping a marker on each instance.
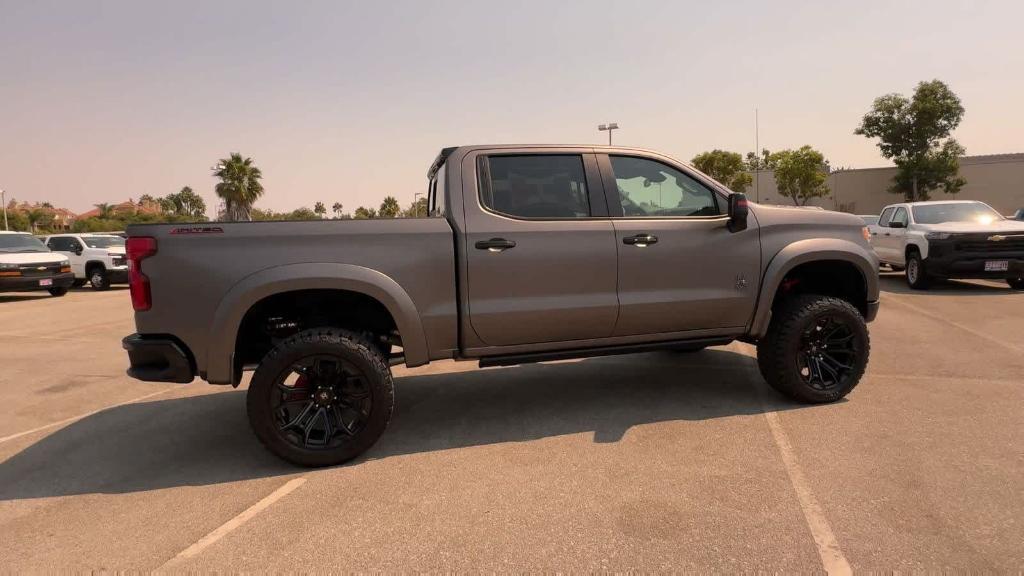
(997, 180)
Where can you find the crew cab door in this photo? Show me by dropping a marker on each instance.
(540, 249)
(892, 231)
(73, 249)
(680, 268)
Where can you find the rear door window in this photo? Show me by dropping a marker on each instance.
(535, 186)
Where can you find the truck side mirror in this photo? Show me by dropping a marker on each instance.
(738, 211)
(896, 224)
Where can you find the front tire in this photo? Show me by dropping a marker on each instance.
(1016, 283)
(917, 272)
(816, 349)
(57, 291)
(322, 397)
(99, 279)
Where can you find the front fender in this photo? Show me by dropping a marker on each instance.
(802, 252)
(307, 276)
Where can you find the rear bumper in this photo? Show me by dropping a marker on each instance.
(158, 359)
(26, 283)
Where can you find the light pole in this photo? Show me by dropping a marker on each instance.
(3, 200)
(608, 128)
(416, 207)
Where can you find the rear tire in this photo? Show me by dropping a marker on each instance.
(99, 279)
(58, 291)
(816, 349)
(334, 373)
(1016, 283)
(917, 272)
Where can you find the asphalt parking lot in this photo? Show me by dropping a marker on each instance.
(647, 462)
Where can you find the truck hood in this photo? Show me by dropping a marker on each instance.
(999, 226)
(769, 214)
(32, 257)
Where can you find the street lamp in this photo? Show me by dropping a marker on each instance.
(3, 200)
(608, 127)
(416, 207)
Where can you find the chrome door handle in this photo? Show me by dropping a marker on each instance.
(495, 245)
(640, 240)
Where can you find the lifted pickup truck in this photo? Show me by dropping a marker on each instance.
(528, 254)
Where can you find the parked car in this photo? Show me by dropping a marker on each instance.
(530, 253)
(95, 258)
(27, 264)
(950, 239)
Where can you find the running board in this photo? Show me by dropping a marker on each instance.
(531, 357)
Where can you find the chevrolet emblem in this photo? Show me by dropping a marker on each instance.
(997, 238)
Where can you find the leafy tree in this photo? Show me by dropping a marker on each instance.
(185, 203)
(47, 205)
(303, 214)
(38, 217)
(363, 213)
(800, 174)
(389, 208)
(239, 185)
(914, 134)
(726, 167)
(106, 210)
(755, 162)
(337, 209)
(319, 209)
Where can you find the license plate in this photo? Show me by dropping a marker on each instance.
(997, 265)
(46, 282)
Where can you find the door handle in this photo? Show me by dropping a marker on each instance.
(640, 240)
(887, 234)
(495, 244)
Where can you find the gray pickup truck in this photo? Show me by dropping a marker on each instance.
(526, 254)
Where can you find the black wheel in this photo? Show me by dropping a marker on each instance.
(1016, 283)
(321, 397)
(917, 272)
(98, 278)
(816, 349)
(57, 291)
(78, 283)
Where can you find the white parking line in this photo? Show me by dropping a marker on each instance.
(965, 328)
(80, 416)
(832, 557)
(224, 529)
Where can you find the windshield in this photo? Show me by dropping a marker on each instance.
(959, 212)
(21, 243)
(103, 241)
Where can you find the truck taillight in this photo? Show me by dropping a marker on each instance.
(138, 249)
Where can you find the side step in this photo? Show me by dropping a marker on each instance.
(531, 357)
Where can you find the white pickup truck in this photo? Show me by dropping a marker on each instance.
(950, 239)
(95, 258)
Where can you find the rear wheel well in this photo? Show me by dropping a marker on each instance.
(277, 317)
(837, 278)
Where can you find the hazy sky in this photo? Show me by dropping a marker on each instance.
(350, 101)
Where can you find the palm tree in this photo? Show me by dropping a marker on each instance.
(106, 210)
(36, 216)
(239, 186)
(319, 209)
(337, 209)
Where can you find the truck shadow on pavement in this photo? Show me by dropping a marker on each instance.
(896, 283)
(205, 439)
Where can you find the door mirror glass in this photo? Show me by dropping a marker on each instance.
(738, 211)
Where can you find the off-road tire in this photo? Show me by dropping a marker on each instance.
(58, 291)
(917, 272)
(777, 352)
(98, 278)
(348, 346)
(1016, 283)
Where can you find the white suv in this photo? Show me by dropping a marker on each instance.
(950, 239)
(97, 258)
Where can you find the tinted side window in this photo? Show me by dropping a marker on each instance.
(60, 244)
(654, 190)
(536, 186)
(883, 220)
(900, 216)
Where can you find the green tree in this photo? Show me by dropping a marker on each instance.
(303, 214)
(389, 208)
(185, 203)
(239, 186)
(337, 209)
(319, 209)
(755, 162)
(38, 217)
(106, 211)
(726, 167)
(800, 174)
(417, 209)
(914, 134)
(362, 213)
